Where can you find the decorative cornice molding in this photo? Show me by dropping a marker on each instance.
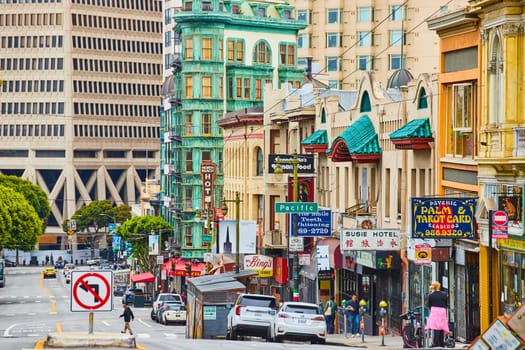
(511, 28)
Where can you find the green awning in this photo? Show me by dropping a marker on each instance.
(319, 137)
(416, 134)
(359, 143)
(416, 128)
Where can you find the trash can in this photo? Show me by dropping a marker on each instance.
(138, 300)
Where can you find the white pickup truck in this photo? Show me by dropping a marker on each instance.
(252, 315)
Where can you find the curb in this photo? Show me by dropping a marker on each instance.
(85, 340)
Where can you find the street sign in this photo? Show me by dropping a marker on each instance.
(296, 244)
(423, 254)
(317, 224)
(499, 222)
(295, 207)
(91, 291)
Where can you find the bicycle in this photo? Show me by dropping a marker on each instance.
(412, 333)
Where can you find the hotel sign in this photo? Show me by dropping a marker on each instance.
(208, 174)
(370, 239)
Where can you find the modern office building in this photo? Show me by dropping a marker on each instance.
(79, 107)
(228, 51)
(346, 37)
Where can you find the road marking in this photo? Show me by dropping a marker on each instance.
(144, 323)
(59, 328)
(143, 335)
(106, 323)
(53, 307)
(8, 330)
(40, 344)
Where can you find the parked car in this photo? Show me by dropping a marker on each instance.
(252, 315)
(299, 321)
(161, 308)
(67, 268)
(172, 313)
(59, 264)
(119, 290)
(9, 263)
(161, 298)
(50, 272)
(127, 298)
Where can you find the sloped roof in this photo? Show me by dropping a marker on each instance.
(416, 134)
(359, 143)
(415, 128)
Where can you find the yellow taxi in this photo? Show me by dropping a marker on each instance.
(50, 272)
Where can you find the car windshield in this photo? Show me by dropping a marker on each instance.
(257, 301)
(169, 298)
(301, 309)
(175, 307)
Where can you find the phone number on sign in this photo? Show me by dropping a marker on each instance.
(313, 231)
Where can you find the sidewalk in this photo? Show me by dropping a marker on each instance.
(371, 342)
(391, 342)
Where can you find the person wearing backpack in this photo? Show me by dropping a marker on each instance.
(329, 313)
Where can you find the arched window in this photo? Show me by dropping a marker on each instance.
(262, 53)
(422, 102)
(495, 82)
(366, 106)
(323, 116)
(260, 162)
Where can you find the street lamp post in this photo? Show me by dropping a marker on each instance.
(224, 209)
(295, 262)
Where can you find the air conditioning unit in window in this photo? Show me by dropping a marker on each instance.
(168, 136)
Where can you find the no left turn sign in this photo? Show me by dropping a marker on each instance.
(91, 291)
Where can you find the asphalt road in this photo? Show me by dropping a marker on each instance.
(32, 307)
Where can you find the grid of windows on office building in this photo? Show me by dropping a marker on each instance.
(142, 5)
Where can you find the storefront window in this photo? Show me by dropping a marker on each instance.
(513, 280)
(419, 281)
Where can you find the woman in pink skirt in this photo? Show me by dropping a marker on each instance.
(438, 319)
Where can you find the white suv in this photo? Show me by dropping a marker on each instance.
(162, 297)
(252, 315)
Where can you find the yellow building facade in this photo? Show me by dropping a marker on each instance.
(502, 152)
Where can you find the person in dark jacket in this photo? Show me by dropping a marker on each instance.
(128, 317)
(437, 320)
(353, 315)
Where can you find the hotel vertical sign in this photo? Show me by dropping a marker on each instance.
(208, 174)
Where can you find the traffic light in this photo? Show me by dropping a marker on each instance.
(188, 269)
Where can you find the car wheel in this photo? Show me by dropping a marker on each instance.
(228, 335)
(152, 315)
(233, 334)
(321, 341)
(278, 339)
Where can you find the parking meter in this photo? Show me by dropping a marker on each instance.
(362, 312)
(344, 304)
(382, 312)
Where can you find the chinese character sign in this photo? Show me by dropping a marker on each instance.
(443, 217)
(370, 240)
(323, 257)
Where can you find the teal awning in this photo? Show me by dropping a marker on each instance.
(416, 128)
(416, 134)
(319, 137)
(359, 143)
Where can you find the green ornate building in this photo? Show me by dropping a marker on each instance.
(229, 51)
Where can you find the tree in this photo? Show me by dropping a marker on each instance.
(25, 226)
(92, 220)
(32, 193)
(137, 231)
